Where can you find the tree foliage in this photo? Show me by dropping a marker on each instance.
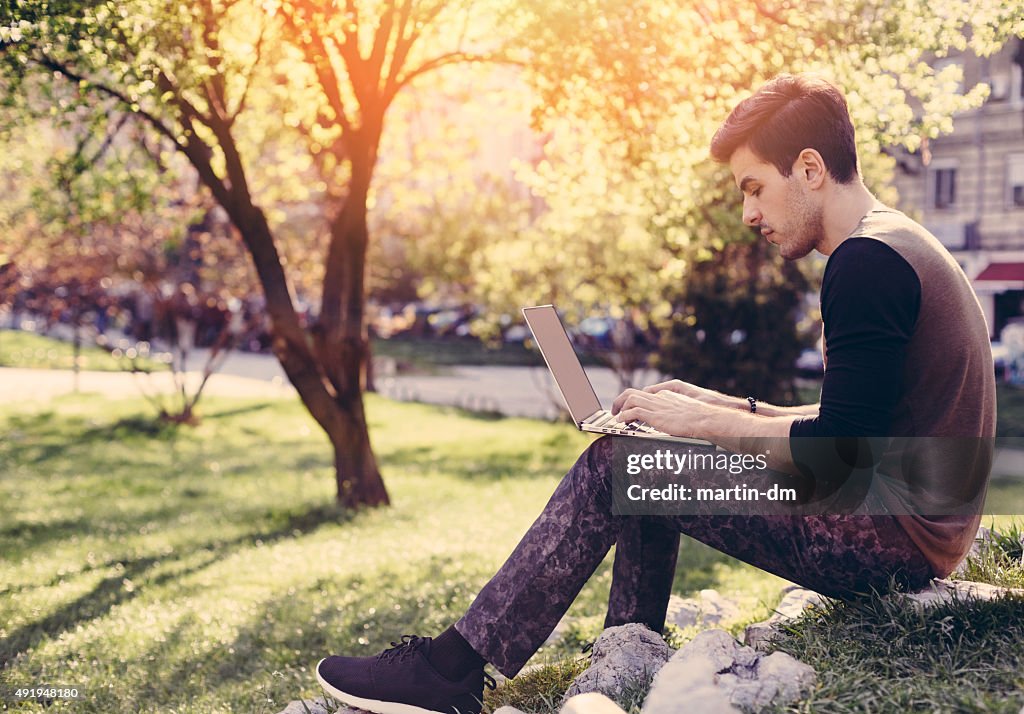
(634, 206)
(236, 87)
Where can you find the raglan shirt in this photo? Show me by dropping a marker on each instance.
(908, 370)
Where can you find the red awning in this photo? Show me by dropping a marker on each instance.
(1002, 272)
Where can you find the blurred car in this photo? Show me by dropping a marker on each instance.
(1001, 357)
(810, 362)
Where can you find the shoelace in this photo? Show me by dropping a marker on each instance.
(412, 643)
(403, 648)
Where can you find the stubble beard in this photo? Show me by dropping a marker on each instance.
(808, 227)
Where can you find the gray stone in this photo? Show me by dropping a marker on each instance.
(714, 646)
(508, 710)
(940, 591)
(690, 681)
(708, 608)
(589, 703)
(714, 668)
(795, 602)
(620, 657)
(792, 676)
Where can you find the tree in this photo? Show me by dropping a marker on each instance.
(735, 326)
(635, 210)
(92, 216)
(234, 85)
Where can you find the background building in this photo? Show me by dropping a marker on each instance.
(968, 187)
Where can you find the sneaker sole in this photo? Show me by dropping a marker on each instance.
(371, 705)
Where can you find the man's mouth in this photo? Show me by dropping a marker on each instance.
(767, 232)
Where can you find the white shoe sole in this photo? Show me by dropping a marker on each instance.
(371, 705)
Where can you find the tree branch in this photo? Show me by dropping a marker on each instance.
(401, 49)
(248, 77)
(54, 66)
(381, 39)
(770, 14)
(327, 75)
(444, 60)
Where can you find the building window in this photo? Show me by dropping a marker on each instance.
(1015, 180)
(1017, 75)
(943, 186)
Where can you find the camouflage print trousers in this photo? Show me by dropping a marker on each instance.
(837, 555)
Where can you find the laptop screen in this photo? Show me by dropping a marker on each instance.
(562, 361)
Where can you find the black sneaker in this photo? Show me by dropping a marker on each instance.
(401, 680)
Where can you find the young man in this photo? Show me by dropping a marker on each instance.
(907, 356)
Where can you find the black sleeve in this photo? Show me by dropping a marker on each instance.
(870, 301)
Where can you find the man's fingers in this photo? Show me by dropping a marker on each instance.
(621, 399)
(637, 399)
(635, 414)
(671, 384)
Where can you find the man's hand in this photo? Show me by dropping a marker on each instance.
(665, 410)
(685, 389)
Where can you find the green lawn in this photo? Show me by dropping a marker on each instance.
(205, 570)
(31, 351)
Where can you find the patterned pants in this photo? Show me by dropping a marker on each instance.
(837, 555)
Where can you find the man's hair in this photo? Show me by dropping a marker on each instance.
(787, 115)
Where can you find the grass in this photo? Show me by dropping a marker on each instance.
(1010, 412)
(881, 656)
(448, 352)
(28, 350)
(204, 570)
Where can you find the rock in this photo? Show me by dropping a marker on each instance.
(589, 703)
(689, 681)
(716, 647)
(708, 608)
(795, 601)
(508, 710)
(792, 676)
(941, 591)
(621, 656)
(715, 670)
(316, 706)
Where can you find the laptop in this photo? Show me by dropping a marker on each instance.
(574, 385)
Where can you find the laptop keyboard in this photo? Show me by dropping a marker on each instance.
(606, 420)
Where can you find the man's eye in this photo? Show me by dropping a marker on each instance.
(756, 192)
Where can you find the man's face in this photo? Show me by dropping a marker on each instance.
(783, 208)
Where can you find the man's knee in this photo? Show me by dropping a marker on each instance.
(593, 469)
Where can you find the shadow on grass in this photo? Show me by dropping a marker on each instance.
(427, 460)
(115, 589)
(295, 630)
(52, 435)
(250, 409)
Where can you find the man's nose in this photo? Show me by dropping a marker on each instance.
(751, 215)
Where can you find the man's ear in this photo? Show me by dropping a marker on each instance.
(811, 168)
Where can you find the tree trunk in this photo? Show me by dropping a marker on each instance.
(336, 404)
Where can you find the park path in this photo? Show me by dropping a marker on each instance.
(512, 391)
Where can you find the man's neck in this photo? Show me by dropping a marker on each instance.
(844, 209)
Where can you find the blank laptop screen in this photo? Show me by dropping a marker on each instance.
(562, 361)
